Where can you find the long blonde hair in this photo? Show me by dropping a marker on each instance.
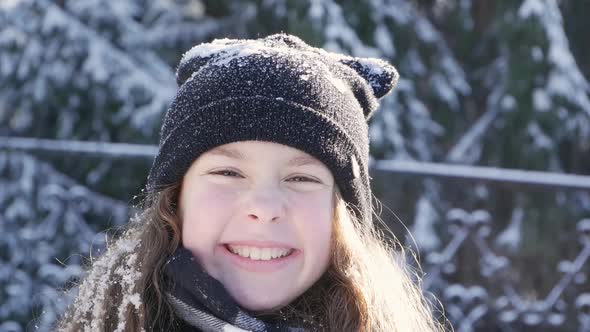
(368, 286)
(376, 288)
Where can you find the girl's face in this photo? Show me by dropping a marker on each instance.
(244, 206)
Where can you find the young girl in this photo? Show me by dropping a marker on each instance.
(258, 215)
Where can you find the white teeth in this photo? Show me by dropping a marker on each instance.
(256, 253)
(265, 254)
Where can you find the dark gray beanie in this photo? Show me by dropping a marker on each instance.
(277, 89)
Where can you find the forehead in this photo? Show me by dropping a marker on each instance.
(255, 149)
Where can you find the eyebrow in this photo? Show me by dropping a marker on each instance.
(234, 154)
(227, 153)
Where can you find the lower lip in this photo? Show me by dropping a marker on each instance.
(251, 265)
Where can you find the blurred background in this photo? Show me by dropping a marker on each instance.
(481, 155)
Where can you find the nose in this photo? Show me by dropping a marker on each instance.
(266, 205)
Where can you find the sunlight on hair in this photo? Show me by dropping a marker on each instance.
(375, 274)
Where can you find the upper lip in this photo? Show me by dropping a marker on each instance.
(260, 244)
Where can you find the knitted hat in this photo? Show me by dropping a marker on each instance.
(277, 89)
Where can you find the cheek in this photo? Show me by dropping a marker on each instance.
(315, 224)
(204, 215)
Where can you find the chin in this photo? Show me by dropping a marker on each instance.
(261, 305)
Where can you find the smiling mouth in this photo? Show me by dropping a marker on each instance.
(259, 254)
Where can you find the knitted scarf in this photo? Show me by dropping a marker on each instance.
(202, 301)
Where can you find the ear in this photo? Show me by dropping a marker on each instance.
(381, 76)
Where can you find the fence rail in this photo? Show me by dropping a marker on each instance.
(415, 168)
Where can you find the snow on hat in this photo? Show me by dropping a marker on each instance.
(277, 89)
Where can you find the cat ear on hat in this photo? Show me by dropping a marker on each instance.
(381, 76)
(200, 55)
